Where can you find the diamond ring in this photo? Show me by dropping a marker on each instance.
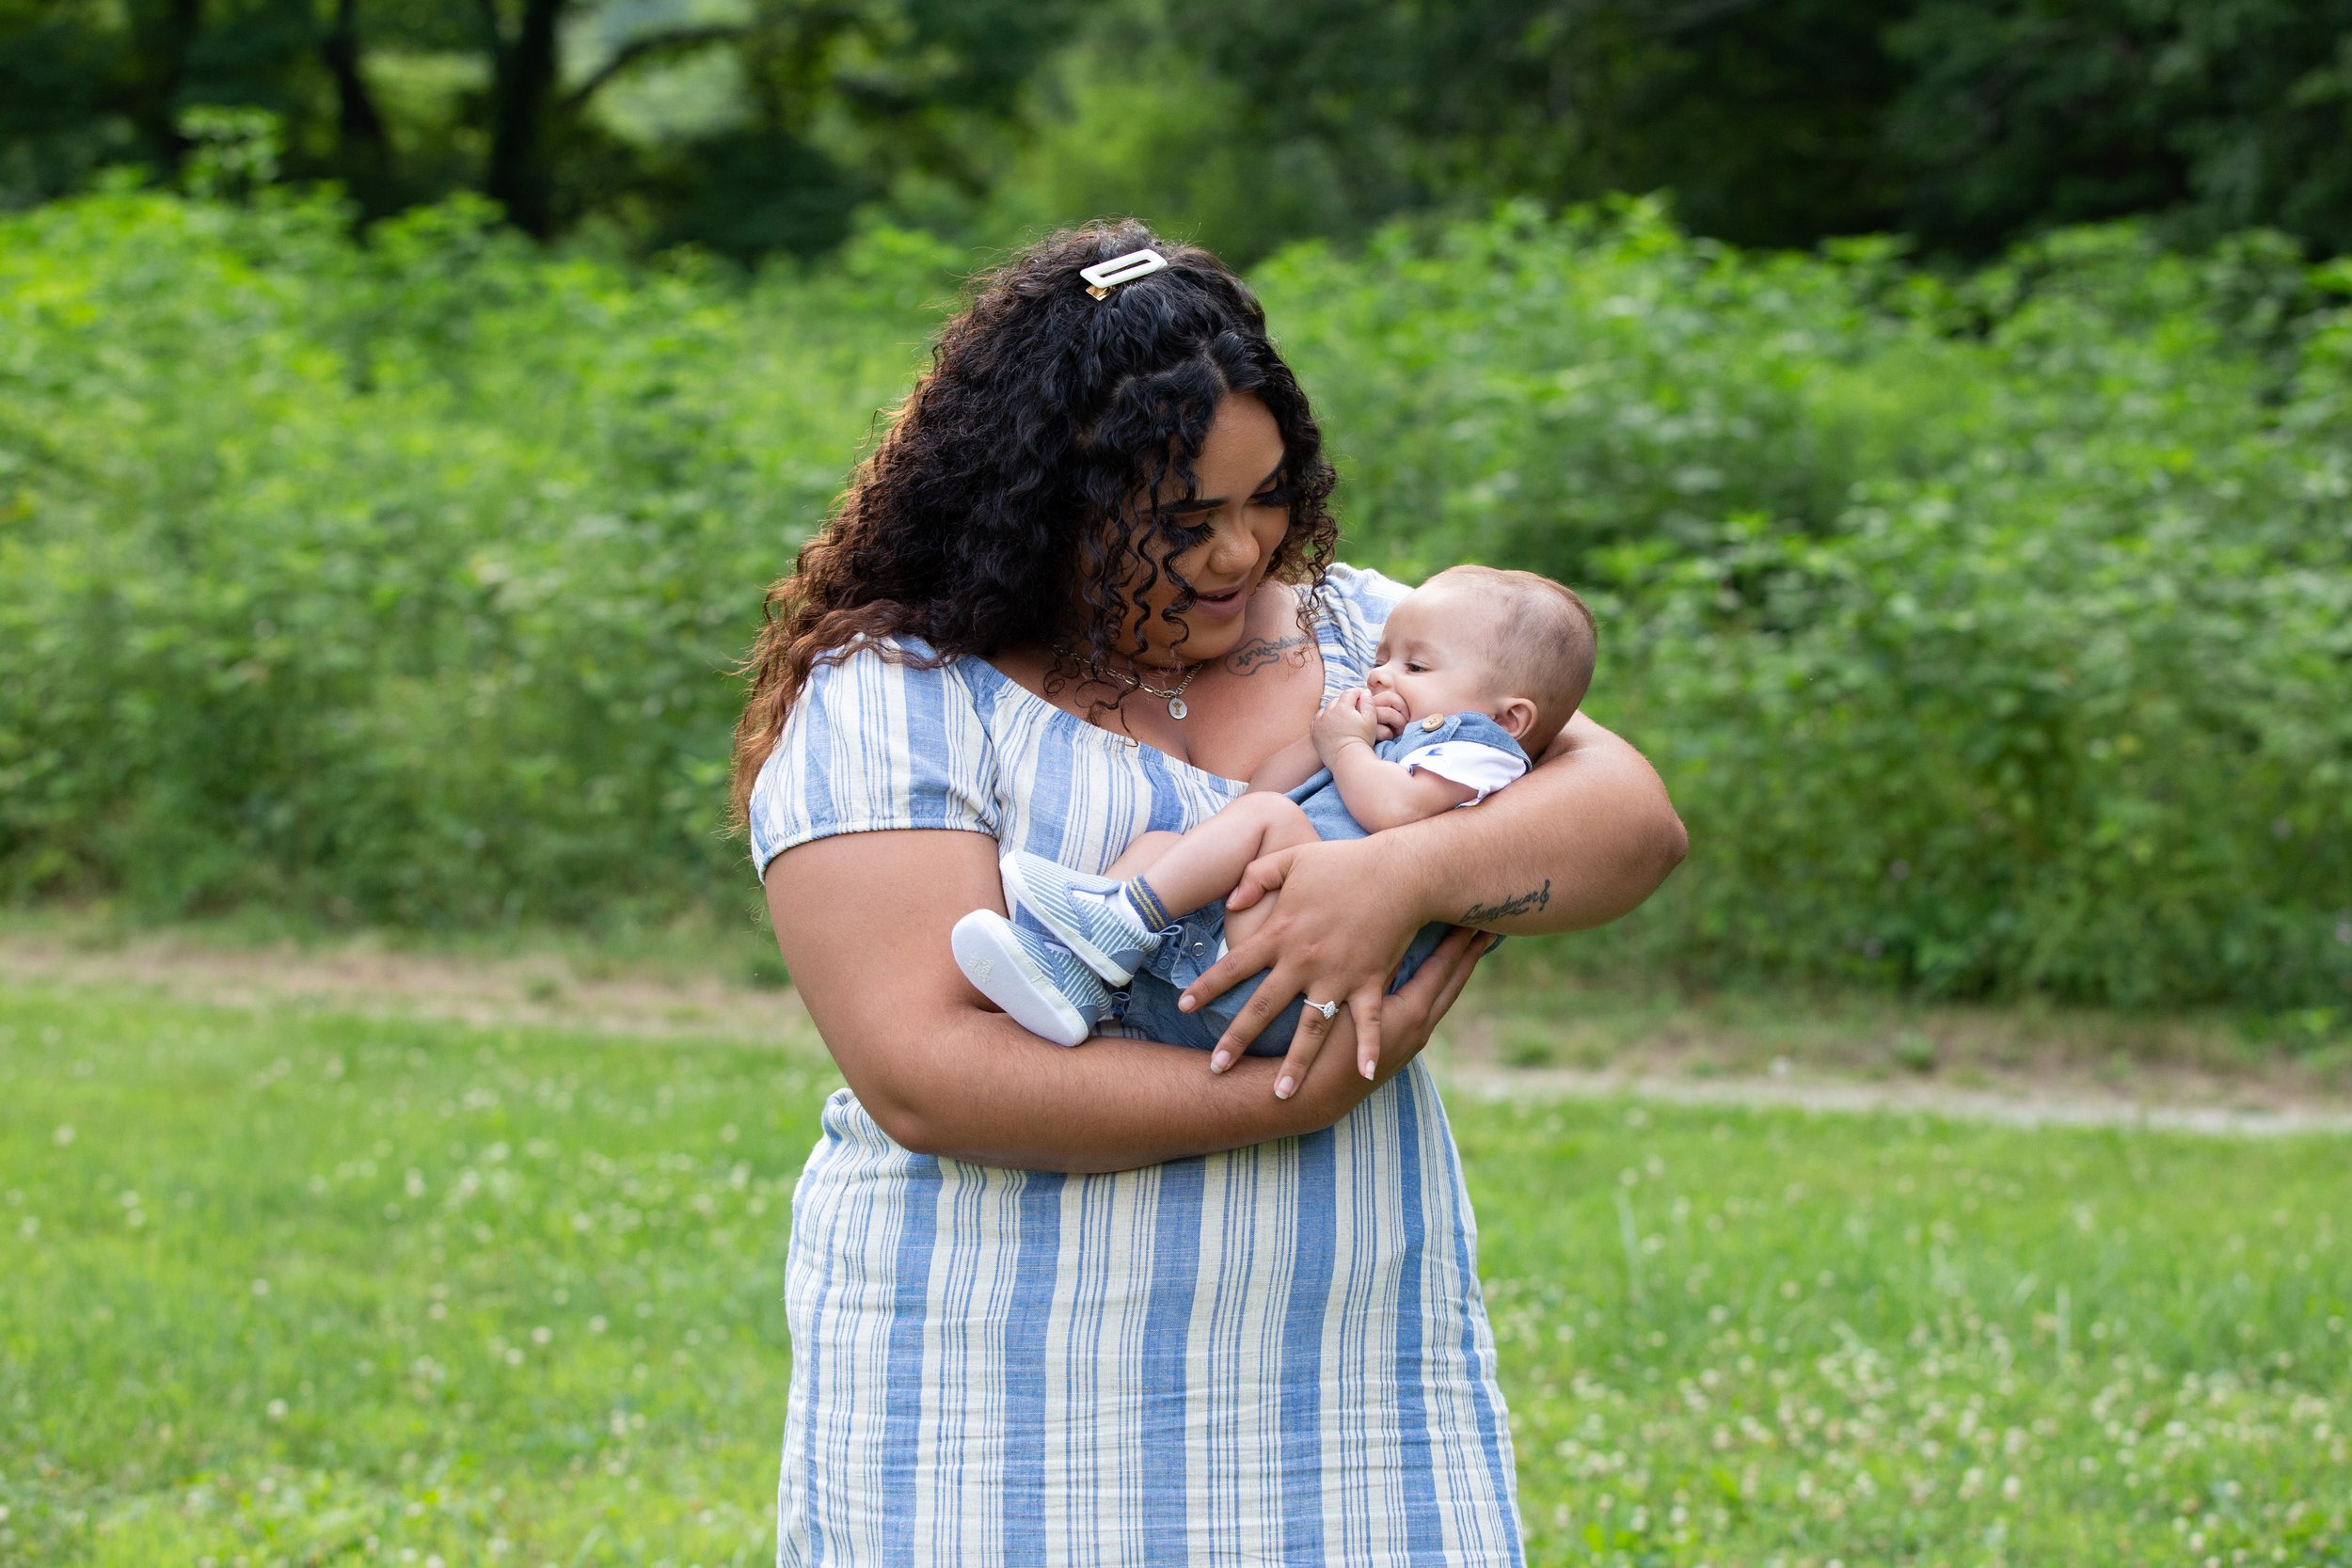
(1328, 1010)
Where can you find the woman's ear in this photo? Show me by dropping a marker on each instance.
(1516, 715)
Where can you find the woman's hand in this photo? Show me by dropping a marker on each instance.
(942, 1073)
(1338, 933)
(1399, 1025)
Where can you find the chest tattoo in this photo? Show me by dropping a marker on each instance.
(1258, 652)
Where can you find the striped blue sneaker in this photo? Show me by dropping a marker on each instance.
(1038, 981)
(1092, 915)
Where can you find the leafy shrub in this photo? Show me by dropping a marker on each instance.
(1991, 632)
(1992, 635)
(397, 581)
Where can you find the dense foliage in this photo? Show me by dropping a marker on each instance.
(753, 126)
(1992, 635)
(744, 125)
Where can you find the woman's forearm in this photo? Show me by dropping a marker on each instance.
(1585, 837)
(1109, 1105)
(863, 922)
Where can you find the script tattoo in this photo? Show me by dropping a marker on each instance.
(1533, 898)
(1258, 652)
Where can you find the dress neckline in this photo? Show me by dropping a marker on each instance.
(1318, 620)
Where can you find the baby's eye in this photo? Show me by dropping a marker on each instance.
(1415, 666)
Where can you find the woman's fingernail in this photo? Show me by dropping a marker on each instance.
(1282, 1090)
(1219, 1062)
(1184, 1003)
(1368, 1065)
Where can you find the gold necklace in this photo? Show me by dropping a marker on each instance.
(1177, 707)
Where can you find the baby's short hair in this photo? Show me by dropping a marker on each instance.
(1544, 643)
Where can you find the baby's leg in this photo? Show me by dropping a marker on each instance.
(1134, 859)
(1202, 865)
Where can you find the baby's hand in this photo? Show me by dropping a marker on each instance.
(1349, 716)
(1389, 715)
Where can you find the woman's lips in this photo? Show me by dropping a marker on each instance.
(1220, 607)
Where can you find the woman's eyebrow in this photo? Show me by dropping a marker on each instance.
(1206, 503)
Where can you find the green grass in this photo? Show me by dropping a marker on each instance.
(296, 1286)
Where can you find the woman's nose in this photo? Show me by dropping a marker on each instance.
(1234, 551)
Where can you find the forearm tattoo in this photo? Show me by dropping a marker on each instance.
(1258, 652)
(1533, 898)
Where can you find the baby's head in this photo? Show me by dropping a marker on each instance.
(1511, 646)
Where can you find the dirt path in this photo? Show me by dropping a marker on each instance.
(2017, 1104)
(370, 979)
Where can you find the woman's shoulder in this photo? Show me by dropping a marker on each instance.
(894, 688)
(1349, 607)
(1359, 590)
(885, 733)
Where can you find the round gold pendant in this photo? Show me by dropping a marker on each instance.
(1176, 708)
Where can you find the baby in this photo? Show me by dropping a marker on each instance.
(1477, 671)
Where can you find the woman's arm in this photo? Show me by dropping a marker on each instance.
(863, 922)
(1585, 836)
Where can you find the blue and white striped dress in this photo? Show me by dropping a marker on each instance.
(1274, 1356)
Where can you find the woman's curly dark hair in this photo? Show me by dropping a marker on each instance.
(1015, 483)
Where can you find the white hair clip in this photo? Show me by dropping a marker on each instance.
(1103, 277)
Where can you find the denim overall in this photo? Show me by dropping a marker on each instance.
(1148, 1004)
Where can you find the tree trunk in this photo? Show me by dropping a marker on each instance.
(162, 35)
(523, 95)
(362, 148)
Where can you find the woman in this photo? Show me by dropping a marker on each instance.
(1101, 1304)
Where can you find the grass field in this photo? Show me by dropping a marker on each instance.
(287, 1285)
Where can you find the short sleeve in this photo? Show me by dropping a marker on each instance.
(1471, 764)
(873, 744)
(1352, 607)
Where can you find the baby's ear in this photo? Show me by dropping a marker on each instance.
(1516, 715)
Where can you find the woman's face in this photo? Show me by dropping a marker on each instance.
(1238, 515)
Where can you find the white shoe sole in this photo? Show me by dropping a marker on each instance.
(991, 959)
(1018, 887)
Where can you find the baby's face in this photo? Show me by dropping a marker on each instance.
(1433, 653)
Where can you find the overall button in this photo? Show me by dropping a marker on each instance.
(1432, 724)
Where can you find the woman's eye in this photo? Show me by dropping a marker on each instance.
(1271, 498)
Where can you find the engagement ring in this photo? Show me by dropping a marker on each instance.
(1328, 1010)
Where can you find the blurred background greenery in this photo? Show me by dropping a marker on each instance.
(757, 126)
(1947, 402)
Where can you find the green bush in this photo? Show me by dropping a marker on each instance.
(1993, 635)
(400, 582)
(1993, 632)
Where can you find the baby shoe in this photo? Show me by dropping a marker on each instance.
(1039, 982)
(1093, 915)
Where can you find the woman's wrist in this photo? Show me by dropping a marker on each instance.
(1417, 880)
